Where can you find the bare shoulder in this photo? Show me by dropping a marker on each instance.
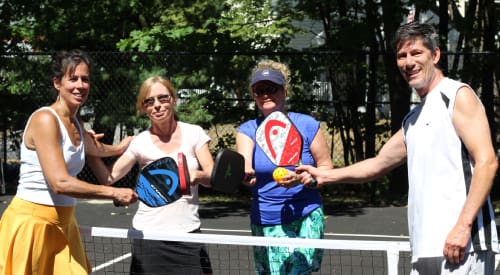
(43, 124)
(467, 100)
(469, 118)
(43, 120)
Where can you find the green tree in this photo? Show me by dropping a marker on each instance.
(207, 49)
(356, 84)
(48, 26)
(207, 34)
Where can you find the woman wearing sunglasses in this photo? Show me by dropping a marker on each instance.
(166, 137)
(284, 209)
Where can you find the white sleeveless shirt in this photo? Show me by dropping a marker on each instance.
(440, 171)
(33, 186)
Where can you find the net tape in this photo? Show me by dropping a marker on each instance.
(392, 249)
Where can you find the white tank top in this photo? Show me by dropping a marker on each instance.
(440, 171)
(32, 183)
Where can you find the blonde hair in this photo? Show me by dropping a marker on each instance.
(278, 66)
(145, 89)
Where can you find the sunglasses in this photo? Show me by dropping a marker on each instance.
(150, 101)
(268, 90)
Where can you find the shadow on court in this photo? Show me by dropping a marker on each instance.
(214, 210)
(218, 209)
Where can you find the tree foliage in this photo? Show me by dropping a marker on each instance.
(208, 48)
(218, 27)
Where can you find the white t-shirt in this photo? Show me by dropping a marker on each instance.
(440, 171)
(181, 215)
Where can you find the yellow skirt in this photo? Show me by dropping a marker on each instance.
(40, 239)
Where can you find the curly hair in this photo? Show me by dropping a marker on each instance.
(271, 64)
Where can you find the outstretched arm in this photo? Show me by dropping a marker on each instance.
(392, 155)
(93, 147)
(322, 158)
(109, 175)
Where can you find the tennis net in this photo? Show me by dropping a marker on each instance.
(109, 249)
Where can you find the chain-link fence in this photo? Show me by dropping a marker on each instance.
(117, 76)
(347, 92)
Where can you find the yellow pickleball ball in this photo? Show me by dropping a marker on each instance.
(279, 173)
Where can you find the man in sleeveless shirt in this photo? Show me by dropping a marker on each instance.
(447, 146)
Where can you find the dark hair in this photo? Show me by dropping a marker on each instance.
(66, 62)
(414, 30)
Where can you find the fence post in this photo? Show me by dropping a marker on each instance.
(2, 180)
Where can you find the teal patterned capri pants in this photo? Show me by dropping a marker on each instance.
(270, 260)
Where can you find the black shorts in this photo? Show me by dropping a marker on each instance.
(166, 257)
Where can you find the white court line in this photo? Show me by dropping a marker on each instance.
(326, 234)
(114, 261)
(367, 235)
(226, 230)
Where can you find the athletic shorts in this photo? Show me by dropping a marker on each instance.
(40, 239)
(167, 257)
(475, 263)
(283, 260)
